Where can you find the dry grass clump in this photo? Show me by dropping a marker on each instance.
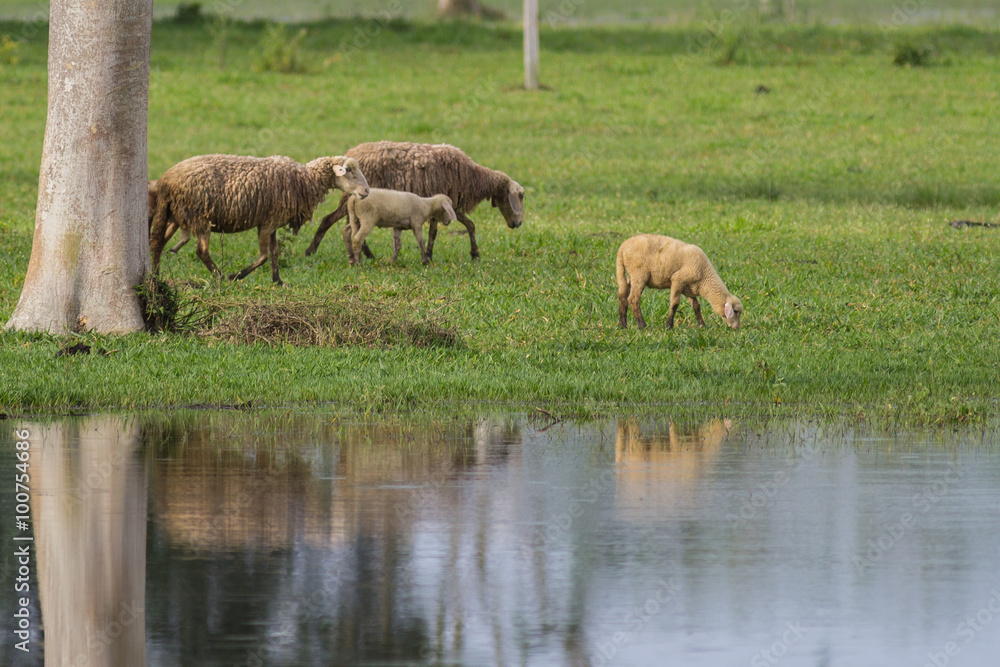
(335, 320)
(339, 319)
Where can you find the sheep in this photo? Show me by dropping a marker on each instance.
(232, 193)
(151, 200)
(660, 262)
(171, 226)
(429, 169)
(395, 210)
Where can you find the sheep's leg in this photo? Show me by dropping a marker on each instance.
(675, 301)
(358, 239)
(635, 293)
(185, 237)
(201, 249)
(264, 245)
(623, 291)
(471, 226)
(432, 233)
(365, 249)
(418, 231)
(157, 240)
(397, 243)
(348, 233)
(696, 306)
(324, 226)
(273, 251)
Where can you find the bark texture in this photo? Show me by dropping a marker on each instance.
(90, 245)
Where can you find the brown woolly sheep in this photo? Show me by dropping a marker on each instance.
(151, 200)
(427, 170)
(661, 262)
(171, 226)
(395, 210)
(233, 193)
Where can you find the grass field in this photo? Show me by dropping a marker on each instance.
(585, 11)
(823, 203)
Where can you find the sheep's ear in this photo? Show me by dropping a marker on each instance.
(514, 201)
(450, 211)
(729, 311)
(339, 169)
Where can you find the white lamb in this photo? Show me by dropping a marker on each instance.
(661, 262)
(396, 210)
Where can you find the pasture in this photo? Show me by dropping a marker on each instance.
(818, 176)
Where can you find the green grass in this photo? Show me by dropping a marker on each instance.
(585, 11)
(824, 205)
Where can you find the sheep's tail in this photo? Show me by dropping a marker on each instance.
(158, 231)
(623, 289)
(623, 281)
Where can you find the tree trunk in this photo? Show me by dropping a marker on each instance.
(90, 245)
(531, 44)
(88, 503)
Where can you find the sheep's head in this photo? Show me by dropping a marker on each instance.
(732, 311)
(444, 211)
(510, 201)
(343, 173)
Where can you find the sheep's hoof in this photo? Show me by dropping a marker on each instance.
(234, 276)
(310, 251)
(475, 256)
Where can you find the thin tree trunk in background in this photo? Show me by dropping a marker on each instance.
(90, 245)
(531, 66)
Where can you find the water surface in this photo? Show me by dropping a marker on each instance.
(306, 540)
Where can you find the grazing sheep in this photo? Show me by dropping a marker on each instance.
(427, 170)
(397, 211)
(661, 262)
(232, 193)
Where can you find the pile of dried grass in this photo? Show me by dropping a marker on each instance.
(329, 321)
(333, 320)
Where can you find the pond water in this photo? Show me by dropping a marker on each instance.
(302, 539)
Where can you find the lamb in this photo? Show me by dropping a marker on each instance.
(232, 193)
(661, 262)
(395, 210)
(429, 169)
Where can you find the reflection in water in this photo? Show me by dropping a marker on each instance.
(303, 540)
(656, 470)
(89, 510)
